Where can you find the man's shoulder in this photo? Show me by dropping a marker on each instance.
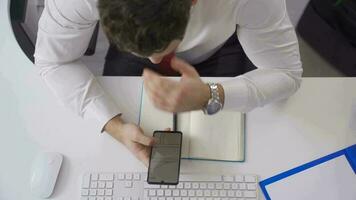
(260, 13)
(75, 10)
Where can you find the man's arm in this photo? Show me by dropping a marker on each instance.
(63, 36)
(65, 29)
(269, 40)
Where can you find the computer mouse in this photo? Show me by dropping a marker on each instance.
(45, 170)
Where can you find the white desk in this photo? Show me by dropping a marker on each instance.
(312, 123)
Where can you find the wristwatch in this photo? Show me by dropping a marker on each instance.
(214, 104)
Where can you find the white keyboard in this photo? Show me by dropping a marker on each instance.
(133, 186)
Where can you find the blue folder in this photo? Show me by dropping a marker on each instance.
(349, 153)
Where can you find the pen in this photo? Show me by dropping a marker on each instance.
(174, 121)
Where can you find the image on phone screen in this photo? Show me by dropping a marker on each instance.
(165, 157)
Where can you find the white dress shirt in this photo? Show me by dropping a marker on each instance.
(264, 31)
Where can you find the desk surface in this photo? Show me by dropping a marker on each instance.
(312, 123)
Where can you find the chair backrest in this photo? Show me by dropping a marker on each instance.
(18, 15)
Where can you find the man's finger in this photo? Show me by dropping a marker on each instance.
(144, 155)
(144, 139)
(183, 68)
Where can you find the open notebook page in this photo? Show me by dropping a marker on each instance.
(216, 137)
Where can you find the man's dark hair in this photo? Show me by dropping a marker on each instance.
(144, 26)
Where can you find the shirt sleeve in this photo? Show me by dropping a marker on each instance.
(64, 31)
(269, 40)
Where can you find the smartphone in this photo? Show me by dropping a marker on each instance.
(165, 158)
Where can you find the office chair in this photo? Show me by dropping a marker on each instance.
(17, 17)
(329, 26)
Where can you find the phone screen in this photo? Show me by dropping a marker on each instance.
(165, 158)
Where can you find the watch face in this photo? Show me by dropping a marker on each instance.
(213, 107)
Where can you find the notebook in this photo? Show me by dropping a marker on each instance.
(217, 137)
(332, 177)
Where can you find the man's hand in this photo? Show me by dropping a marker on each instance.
(132, 137)
(190, 93)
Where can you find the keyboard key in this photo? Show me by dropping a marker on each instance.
(101, 184)
(234, 186)
(99, 198)
(101, 192)
(85, 192)
(187, 185)
(180, 185)
(219, 186)
(231, 193)
(172, 187)
(128, 184)
(175, 193)
(199, 178)
(94, 176)
(249, 194)
(195, 185)
(147, 186)
(108, 198)
(94, 184)
(251, 186)
(128, 176)
(191, 193)
(239, 178)
(238, 193)
(160, 192)
(92, 192)
(108, 192)
(202, 186)
(86, 181)
(183, 193)
(152, 192)
(226, 186)
(106, 177)
(109, 185)
(92, 198)
(199, 193)
(215, 193)
(207, 193)
(169, 198)
(222, 193)
(168, 193)
(242, 186)
(177, 198)
(164, 186)
(161, 198)
(136, 176)
(250, 179)
(211, 185)
(120, 176)
(228, 178)
(185, 198)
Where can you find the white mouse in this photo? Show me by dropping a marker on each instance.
(45, 171)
